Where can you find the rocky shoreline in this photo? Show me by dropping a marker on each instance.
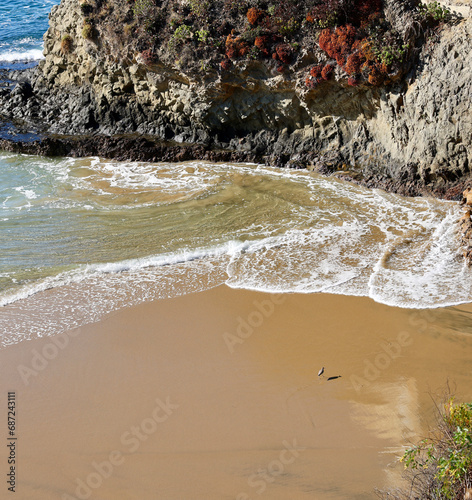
(141, 148)
(100, 97)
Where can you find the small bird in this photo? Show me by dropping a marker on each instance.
(321, 372)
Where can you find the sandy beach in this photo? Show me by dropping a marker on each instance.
(215, 395)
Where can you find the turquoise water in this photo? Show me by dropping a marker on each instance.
(22, 25)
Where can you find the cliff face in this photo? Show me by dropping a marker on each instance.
(416, 131)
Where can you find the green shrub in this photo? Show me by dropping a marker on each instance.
(199, 7)
(142, 8)
(435, 11)
(443, 463)
(87, 31)
(202, 35)
(181, 35)
(148, 15)
(389, 54)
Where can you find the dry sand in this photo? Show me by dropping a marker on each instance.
(182, 399)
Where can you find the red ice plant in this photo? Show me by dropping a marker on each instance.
(283, 52)
(254, 16)
(226, 64)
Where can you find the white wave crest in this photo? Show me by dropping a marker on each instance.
(230, 248)
(16, 56)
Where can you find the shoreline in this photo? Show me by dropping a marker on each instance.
(229, 390)
(142, 148)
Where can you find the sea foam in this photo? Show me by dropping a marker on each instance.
(20, 56)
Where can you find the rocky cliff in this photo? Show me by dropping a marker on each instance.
(411, 134)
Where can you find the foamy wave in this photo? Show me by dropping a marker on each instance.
(29, 55)
(230, 248)
(421, 269)
(428, 274)
(307, 261)
(28, 193)
(84, 272)
(87, 301)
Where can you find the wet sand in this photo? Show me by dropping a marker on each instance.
(215, 395)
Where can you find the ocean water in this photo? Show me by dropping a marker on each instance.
(22, 25)
(82, 237)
